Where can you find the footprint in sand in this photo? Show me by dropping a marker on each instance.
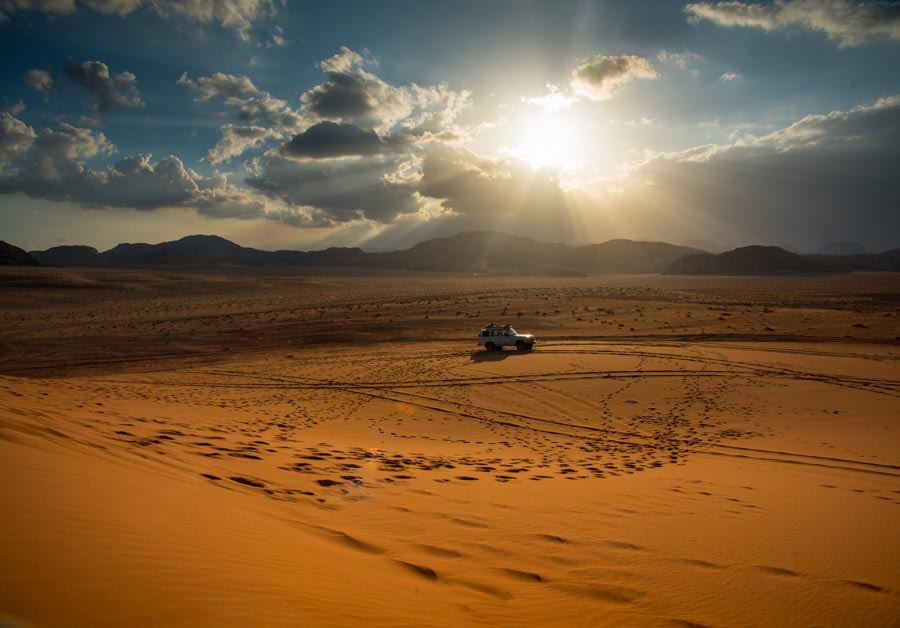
(247, 481)
(426, 572)
(777, 571)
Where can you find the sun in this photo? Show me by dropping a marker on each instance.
(547, 139)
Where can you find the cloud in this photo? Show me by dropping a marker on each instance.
(276, 38)
(681, 60)
(352, 94)
(16, 108)
(553, 101)
(604, 76)
(15, 137)
(219, 84)
(237, 15)
(235, 140)
(40, 80)
(376, 188)
(850, 24)
(262, 116)
(51, 165)
(434, 112)
(55, 7)
(467, 183)
(115, 7)
(328, 139)
(254, 106)
(94, 78)
(821, 177)
(383, 118)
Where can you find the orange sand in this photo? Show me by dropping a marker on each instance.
(650, 478)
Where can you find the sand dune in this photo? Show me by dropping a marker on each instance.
(171, 456)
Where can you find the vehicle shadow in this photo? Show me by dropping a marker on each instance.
(497, 356)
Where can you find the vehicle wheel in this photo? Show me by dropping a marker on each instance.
(521, 346)
(490, 346)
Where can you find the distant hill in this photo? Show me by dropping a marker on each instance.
(488, 251)
(887, 261)
(14, 256)
(69, 255)
(628, 256)
(841, 248)
(484, 251)
(473, 251)
(208, 250)
(707, 246)
(747, 260)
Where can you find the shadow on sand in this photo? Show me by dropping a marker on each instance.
(497, 356)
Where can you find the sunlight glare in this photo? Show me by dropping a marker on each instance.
(547, 139)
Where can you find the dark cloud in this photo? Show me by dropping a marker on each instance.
(822, 178)
(851, 24)
(354, 113)
(366, 188)
(237, 15)
(94, 78)
(469, 184)
(604, 76)
(352, 94)
(328, 139)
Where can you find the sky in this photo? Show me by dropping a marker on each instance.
(303, 125)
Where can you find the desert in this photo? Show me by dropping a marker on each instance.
(233, 446)
(482, 313)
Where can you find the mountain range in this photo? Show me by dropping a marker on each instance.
(473, 251)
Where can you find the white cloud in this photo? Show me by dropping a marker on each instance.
(730, 76)
(15, 137)
(40, 80)
(235, 140)
(851, 24)
(604, 76)
(220, 84)
(552, 101)
(681, 60)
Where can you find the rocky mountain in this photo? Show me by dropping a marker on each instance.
(14, 256)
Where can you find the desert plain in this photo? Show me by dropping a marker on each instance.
(222, 447)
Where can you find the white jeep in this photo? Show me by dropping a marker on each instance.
(495, 337)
